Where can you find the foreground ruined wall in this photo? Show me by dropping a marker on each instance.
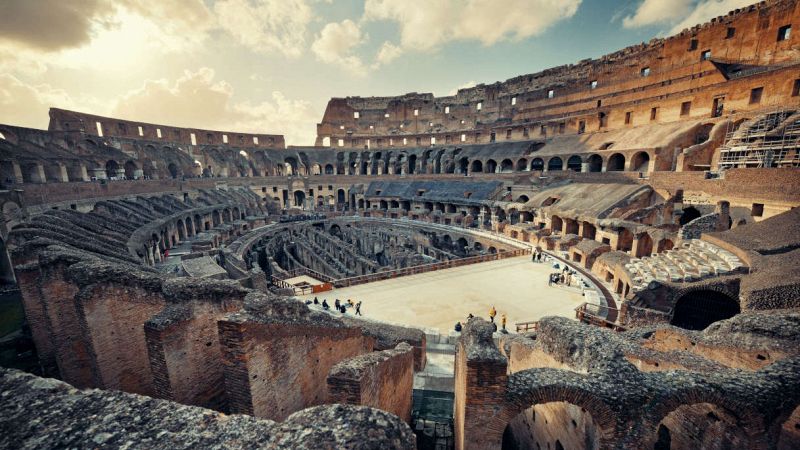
(110, 419)
(580, 386)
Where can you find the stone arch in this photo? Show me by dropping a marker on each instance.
(130, 170)
(522, 199)
(292, 166)
(181, 227)
(316, 169)
(556, 224)
(574, 163)
(640, 162)
(555, 163)
(644, 245)
(689, 214)
(704, 404)
(616, 163)
(463, 164)
(190, 230)
(299, 198)
(595, 163)
(522, 165)
(506, 166)
(412, 164)
(490, 167)
(112, 168)
(696, 309)
(537, 164)
(477, 166)
(664, 245)
(173, 170)
(341, 196)
(557, 393)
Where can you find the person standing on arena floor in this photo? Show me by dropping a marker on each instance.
(503, 321)
(492, 313)
(358, 308)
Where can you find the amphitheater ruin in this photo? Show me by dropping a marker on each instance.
(161, 284)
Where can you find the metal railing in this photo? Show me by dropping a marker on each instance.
(361, 279)
(598, 315)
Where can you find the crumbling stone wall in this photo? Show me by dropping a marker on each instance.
(382, 380)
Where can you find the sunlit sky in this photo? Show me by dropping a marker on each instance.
(270, 66)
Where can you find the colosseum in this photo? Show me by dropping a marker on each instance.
(595, 256)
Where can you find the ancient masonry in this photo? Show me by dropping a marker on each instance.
(155, 265)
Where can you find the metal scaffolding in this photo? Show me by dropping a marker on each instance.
(770, 139)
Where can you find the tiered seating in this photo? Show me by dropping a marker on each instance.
(692, 261)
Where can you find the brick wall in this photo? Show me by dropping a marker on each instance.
(382, 380)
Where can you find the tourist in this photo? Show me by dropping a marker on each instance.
(308, 302)
(470, 316)
(492, 313)
(350, 302)
(550, 280)
(458, 327)
(343, 309)
(337, 304)
(358, 308)
(503, 321)
(316, 302)
(325, 303)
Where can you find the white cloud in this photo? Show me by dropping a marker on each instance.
(196, 99)
(680, 14)
(266, 26)
(426, 25)
(335, 45)
(388, 53)
(652, 12)
(26, 105)
(707, 10)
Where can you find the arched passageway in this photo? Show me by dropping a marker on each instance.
(574, 163)
(595, 163)
(640, 162)
(537, 164)
(689, 214)
(299, 199)
(701, 425)
(697, 310)
(616, 163)
(555, 163)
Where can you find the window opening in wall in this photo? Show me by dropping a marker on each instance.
(784, 33)
(477, 137)
(141, 131)
(447, 139)
(99, 128)
(433, 140)
(593, 84)
(480, 106)
(463, 137)
(757, 210)
(355, 114)
(419, 141)
(599, 103)
(391, 142)
(508, 133)
(401, 125)
(462, 122)
(158, 132)
(430, 124)
(543, 130)
(705, 55)
(693, 44)
(492, 137)
(645, 72)
(447, 110)
(193, 138)
(341, 142)
(405, 141)
(755, 95)
(653, 113)
(386, 115)
(628, 118)
(730, 33)
(796, 88)
(718, 106)
(416, 112)
(581, 127)
(372, 127)
(526, 132)
(264, 189)
(602, 118)
(255, 140)
(686, 107)
(513, 101)
(274, 189)
(562, 127)
(225, 138)
(551, 93)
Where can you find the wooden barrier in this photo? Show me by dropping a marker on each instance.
(593, 315)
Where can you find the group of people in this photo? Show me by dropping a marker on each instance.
(537, 255)
(492, 315)
(338, 305)
(564, 277)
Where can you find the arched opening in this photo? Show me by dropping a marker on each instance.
(111, 168)
(384, 204)
(316, 169)
(130, 170)
(574, 163)
(329, 169)
(522, 198)
(463, 163)
(189, 226)
(412, 164)
(595, 163)
(361, 203)
(689, 214)
(299, 199)
(556, 224)
(173, 170)
(616, 163)
(640, 162)
(491, 166)
(522, 165)
(478, 246)
(625, 240)
(555, 163)
(644, 246)
(664, 245)
(341, 197)
(537, 164)
(506, 166)
(326, 141)
(701, 425)
(477, 166)
(697, 310)
(552, 425)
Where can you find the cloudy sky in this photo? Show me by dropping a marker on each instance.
(271, 65)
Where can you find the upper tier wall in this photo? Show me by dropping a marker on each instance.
(665, 80)
(72, 121)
